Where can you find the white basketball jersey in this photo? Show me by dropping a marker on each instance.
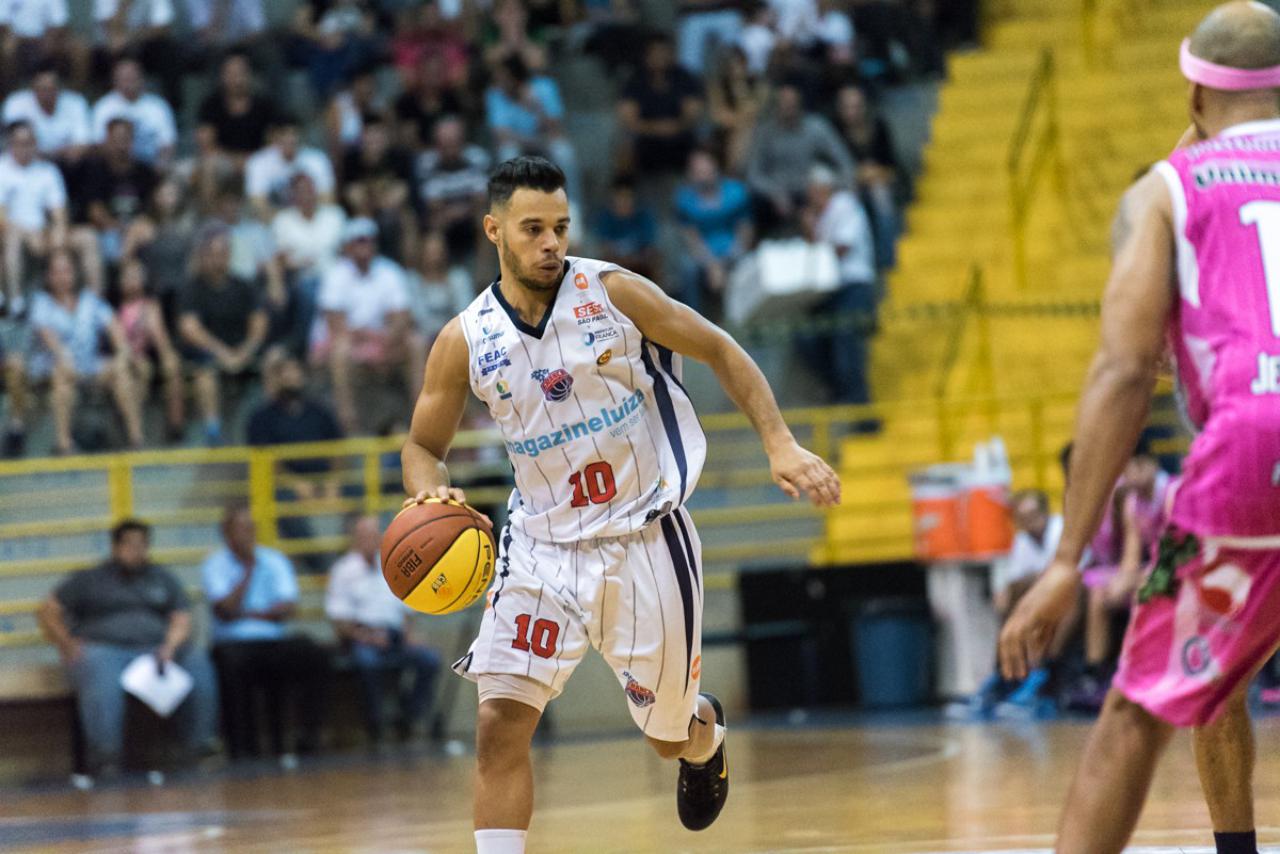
(601, 434)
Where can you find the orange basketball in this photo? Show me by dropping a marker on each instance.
(438, 557)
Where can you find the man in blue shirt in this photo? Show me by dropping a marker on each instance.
(525, 114)
(714, 213)
(253, 592)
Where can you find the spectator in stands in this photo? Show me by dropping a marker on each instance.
(438, 290)
(714, 213)
(222, 325)
(526, 114)
(1034, 545)
(164, 241)
(452, 182)
(104, 618)
(58, 116)
(287, 416)
(378, 177)
(332, 39)
(38, 33)
(69, 328)
(253, 593)
(345, 115)
(234, 119)
(703, 26)
(141, 28)
(267, 172)
(308, 238)
(33, 212)
(13, 443)
(154, 131)
(150, 347)
(376, 629)
(220, 25)
(627, 233)
(835, 217)
(736, 96)
(116, 187)
(368, 326)
(423, 33)
(659, 111)
(879, 174)
(509, 34)
(426, 99)
(787, 145)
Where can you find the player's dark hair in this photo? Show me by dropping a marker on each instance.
(525, 172)
(124, 526)
(15, 126)
(47, 66)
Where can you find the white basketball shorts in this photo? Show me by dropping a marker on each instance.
(637, 599)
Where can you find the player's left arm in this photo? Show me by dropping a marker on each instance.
(681, 329)
(1113, 407)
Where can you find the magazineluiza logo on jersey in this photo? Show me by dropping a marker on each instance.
(492, 361)
(617, 420)
(556, 384)
(588, 312)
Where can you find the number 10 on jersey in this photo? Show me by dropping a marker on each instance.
(593, 485)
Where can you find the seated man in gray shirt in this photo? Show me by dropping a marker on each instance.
(101, 619)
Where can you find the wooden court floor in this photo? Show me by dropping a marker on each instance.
(897, 790)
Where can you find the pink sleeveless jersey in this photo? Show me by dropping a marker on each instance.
(1225, 329)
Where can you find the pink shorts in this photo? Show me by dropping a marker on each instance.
(1205, 621)
(1099, 576)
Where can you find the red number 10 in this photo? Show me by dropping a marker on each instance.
(541, 642)
(593, 485)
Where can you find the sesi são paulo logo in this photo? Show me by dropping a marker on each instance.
(556, 384)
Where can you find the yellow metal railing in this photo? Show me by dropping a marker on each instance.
(1035, 145)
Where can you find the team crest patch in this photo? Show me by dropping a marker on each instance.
(504, 390)
(603, 358)
(556, 384)
(641, 696)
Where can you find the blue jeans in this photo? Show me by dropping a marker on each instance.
(101, 700)
(840, 357)
(372, 664)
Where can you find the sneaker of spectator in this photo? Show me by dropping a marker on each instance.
(367, 324)
(234, 118)
(33, 219)
(267, 172)
(154, 132)
(1030, 700)
(151, 351)
(222, 325)
(377, 179)
(111, 190)
(346, 112)
(59, 116)
(332, 39)
(427, 97)
(787, 144)
(660, 109)
(525, 115)
(626, 232)
(438, 290)
(880, 177)
(37, 33)
(141, 28)
(68, 327)
(703, 26)
(736, 96)
(714, 213)
(452, 178)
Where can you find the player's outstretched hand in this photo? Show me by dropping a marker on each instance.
(444, 493)
(1029, 630)
(799, 472)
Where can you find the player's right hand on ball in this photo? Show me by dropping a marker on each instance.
(444, 493)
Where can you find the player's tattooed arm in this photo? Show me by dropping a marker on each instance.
(679, 328)
(436, 417)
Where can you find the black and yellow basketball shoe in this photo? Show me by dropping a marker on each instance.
(702, 789)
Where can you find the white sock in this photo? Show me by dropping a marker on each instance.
(716, 740)
(500, 841)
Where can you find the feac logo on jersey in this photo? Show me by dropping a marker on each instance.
(588, 312)
(556, 384)
(490, 361)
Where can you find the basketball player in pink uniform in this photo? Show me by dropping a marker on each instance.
(1197, 256)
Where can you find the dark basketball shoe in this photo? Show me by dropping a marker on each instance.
(702, 789)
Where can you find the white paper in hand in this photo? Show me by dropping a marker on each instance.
(163, 693)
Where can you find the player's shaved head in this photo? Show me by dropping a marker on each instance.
(1240, 34)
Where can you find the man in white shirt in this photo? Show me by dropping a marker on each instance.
(59, 117)
(154, 130)
(267, 173)
(40, 32)
(308, 234)
(222, 23)
(143, 28)
(1034, 546)
(33, 211)
(376, 629)
(367, 324)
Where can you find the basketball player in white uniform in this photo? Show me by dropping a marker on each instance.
(577, 361)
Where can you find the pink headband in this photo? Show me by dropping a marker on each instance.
(1225, 78)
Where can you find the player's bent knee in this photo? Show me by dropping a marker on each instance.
(1129, 719)
(667, 749)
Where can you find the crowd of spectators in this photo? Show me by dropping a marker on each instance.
(174, 213)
